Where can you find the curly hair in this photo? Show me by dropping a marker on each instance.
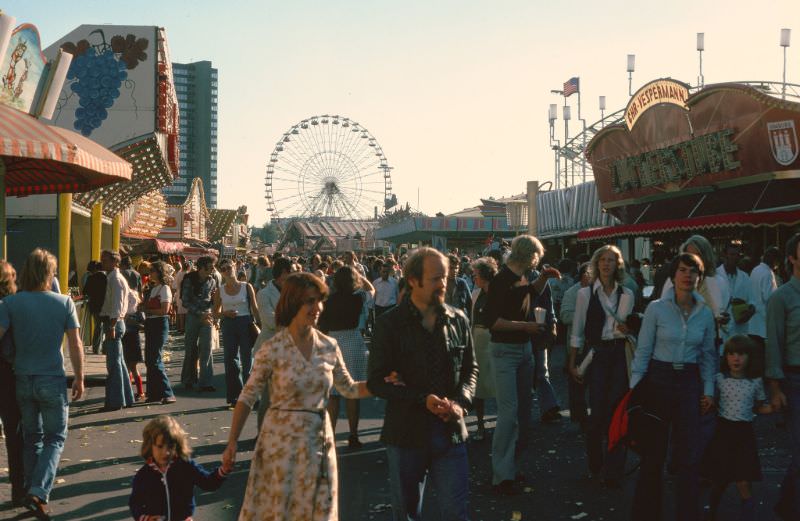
(172, 434)
(8, 279)
(485, 267)
(164, 272)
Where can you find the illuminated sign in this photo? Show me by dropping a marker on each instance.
(655, 93)
(706, 154)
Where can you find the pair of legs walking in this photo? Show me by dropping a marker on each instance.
(44, 407)
(237, 344)
(447, 466)
(513, 375)
(197, 350)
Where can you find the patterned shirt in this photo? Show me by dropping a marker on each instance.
(435, 348)
(737, 396)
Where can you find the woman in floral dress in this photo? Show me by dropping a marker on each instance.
(293, 472)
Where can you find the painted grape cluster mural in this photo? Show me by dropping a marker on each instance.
(98, 72)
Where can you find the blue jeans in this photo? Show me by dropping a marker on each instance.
(541, 375)
(43, 403)
(12, 426)
(789, 503)
(674, 396)
(608, 382)
(197, 349)
(236, 339)
(156, 332)
(447, 466)
(118, 382)
(513, 375)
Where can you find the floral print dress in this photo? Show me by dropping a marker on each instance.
(293, 472)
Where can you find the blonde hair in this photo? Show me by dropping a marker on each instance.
(8, 284)
(172, 434)
(594, 264)
(39, 269)
(524, 247)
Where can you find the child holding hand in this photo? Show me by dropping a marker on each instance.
(163, 489)
(733, 454)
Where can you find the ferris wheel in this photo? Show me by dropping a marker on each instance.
(328, 166)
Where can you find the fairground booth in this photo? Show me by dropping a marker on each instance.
(720, 160)
(118, 92)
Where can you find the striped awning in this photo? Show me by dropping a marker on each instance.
(44, 159)
(743, 219)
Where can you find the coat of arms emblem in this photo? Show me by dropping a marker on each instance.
(783, 141)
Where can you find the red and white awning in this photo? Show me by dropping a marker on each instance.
(44, 159)
(750, 219)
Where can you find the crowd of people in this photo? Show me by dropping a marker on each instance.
(436, 336)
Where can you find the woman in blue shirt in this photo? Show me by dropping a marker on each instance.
(676, 362)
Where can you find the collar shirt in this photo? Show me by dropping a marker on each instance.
(623, 304)
(386, 292)
(458, 295)
(434, 345)
(667, 336)
(783, 329)
(197, 295)
(762, 285)
(115, 304)
(739, 286)
(267, 299)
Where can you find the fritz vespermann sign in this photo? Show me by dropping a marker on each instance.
(655, 93)
(706, 154)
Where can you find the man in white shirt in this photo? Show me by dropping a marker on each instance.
(762, 285)
(739, 285)
(386, 289)
(119, 393)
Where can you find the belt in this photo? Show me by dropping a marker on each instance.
(318, 412)
(675, 366)
(613, 343)
(480, 326)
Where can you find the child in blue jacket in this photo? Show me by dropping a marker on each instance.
(163, 489)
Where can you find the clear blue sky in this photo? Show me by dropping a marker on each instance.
(456, 92)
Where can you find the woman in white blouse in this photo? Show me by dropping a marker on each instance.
(599, 326)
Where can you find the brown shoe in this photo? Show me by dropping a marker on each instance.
(36, 506)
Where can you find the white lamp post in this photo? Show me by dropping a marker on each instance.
(631, 68)
(602, 110)
(701, 46)
(786, 35)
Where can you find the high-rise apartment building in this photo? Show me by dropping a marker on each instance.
(196, 87)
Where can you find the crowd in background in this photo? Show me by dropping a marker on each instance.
(707, 336)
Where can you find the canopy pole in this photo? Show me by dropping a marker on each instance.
(97, 229)
(115, 232)
(64, 229)
(3, 243)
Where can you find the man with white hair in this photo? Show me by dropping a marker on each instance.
(510, 300)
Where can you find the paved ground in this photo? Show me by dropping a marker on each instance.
(101, 457)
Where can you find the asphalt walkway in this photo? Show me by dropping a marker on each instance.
(102, 455)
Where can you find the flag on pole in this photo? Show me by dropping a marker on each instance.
(571, 86)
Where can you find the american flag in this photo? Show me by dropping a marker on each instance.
(571, 86)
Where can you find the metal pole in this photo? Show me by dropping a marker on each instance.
(566, 164)
(3, 232)
(701, 79)
(783, 91)
(64, 229)
(583, 156)
(630, 83)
